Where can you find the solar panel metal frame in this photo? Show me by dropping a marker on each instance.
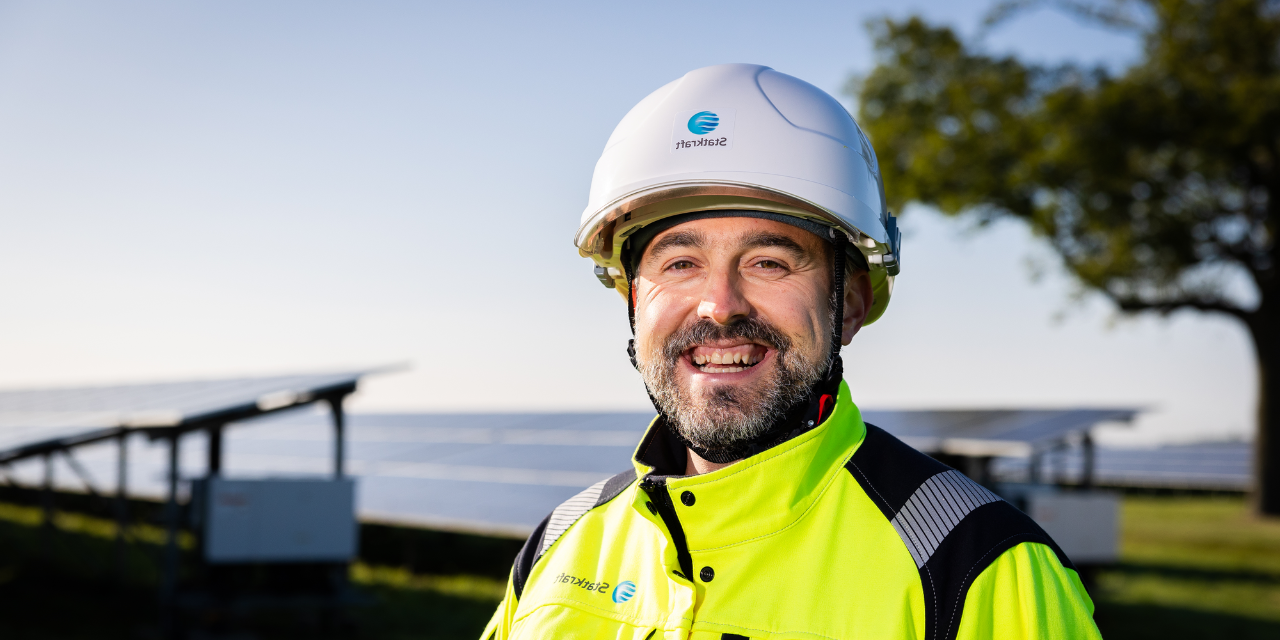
(262, 405)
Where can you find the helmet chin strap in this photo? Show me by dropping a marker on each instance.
(796, 420)
(839, 241)
(631, 314)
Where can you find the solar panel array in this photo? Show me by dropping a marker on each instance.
(997, 432)
(493, 473)
(1206, 466)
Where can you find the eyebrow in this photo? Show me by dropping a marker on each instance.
(678, 239)
(764, 239)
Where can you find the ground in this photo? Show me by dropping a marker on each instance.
(1191, 568)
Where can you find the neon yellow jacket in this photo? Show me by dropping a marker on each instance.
(840, 532)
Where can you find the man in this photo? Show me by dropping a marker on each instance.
(740, 213)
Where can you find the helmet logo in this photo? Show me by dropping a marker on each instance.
(700, 124)
(703, 122)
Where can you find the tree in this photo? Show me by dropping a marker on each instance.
(1158, 185)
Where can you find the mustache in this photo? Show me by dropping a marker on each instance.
(704, 330)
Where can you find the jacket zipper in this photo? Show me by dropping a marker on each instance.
(656, 488)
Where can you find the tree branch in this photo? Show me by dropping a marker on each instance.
(1134, 305)
(1115, 14)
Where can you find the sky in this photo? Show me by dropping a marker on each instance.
(193, 190)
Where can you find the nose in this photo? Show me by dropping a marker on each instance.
(723, 301)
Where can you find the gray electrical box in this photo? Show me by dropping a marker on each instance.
(1085, 524)
(278, 520)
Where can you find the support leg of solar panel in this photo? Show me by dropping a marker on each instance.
(1061, 471)
(169, 579)
(46, 503)
(1088, 455)
(121, 504)
(339, 445)
(215, 450)
(335, 404)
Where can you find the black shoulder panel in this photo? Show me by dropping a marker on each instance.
(525, 559)
(896, 469)
(952, 526)
(559, 521)
(615, 485)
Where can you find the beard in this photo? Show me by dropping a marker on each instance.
(727, 415)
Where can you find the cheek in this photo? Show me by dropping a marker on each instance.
(659, 313)
(799, 312)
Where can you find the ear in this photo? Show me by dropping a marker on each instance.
(857, 304)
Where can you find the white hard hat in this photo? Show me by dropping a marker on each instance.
(739, 137)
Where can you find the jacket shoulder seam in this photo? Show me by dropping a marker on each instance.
(933, 593)
(853, 465)
(962, 593)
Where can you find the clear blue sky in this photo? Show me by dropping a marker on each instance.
(202, 189)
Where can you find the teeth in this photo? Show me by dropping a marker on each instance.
(720, 357)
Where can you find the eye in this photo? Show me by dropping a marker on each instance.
(681, 265)
(769, 264)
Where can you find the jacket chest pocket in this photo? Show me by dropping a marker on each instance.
(562, 622)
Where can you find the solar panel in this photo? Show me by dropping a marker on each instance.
(493, 473)
(31, 416)
(1006, 432)
(1215, 466)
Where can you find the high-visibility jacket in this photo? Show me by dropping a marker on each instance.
(840, 532)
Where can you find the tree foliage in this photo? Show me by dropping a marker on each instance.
(1157, 186)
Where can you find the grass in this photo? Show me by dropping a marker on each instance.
(65, 587)
(408, 605)
(1191, 568)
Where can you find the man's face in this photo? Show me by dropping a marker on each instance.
(733, 324)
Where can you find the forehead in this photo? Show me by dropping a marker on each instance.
(734, 234)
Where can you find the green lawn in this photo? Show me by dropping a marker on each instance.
(1192, 568)
(416, 606)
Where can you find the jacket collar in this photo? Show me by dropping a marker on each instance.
(764, 493)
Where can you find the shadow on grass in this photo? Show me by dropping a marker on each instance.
(1119, 621)
(402, 614)
(1196, 573)
(63, 584)
(42, 603)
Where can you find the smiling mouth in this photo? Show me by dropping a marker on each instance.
(727, 359)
